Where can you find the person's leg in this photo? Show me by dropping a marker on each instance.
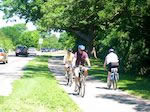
(85, 71)
(66, 69)
(108, 78)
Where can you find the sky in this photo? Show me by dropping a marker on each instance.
(29, 25)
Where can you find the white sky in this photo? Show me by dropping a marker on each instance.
(29, 25)
(3, 23)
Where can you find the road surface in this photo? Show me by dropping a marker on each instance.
(97, 97)
(10, 72)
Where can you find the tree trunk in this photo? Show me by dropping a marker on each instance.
(87, 41)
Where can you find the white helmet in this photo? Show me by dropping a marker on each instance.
(111, 50)
(82, 47)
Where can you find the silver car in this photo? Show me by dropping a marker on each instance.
(32, 51)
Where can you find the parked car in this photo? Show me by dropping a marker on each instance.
(32, 51)
(21, 50)
(44, 50)
(3, 56)
(53, 50)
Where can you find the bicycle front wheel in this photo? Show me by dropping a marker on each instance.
(82, 88)
(70, 80)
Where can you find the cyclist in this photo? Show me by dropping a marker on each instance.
(112, 61)
(68, 58)
(79, 59)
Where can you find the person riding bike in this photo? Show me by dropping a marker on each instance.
(68, 58)
(79, 59)
(112, 61)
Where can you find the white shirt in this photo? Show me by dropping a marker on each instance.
(111, 58)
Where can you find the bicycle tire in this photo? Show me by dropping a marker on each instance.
(82, 87)
(70, 80)
(67, 78)
(109, 86)
(114, 83)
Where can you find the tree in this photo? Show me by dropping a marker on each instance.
(51, 42)
(78, 17)
(67, 40)
(122, 24)
(14, 32)
(29, 39)
(5, 42)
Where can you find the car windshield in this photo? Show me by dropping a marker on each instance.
(20, 47)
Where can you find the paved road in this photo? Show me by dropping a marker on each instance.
(10, 72)
(98, 98)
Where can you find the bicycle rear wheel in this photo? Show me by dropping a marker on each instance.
(114, 84)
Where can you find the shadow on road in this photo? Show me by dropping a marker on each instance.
(141, 106)
(102, 88)
(37, 69)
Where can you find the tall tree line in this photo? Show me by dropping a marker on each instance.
(122, 24)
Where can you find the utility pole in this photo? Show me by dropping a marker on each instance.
(40, 43)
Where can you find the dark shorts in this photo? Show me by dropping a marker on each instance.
(112, 65)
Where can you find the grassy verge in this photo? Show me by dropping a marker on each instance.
(37, 91)
(138, 86)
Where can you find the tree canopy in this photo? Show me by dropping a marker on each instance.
(14, 32)
(29, 39)
(5, 42)
(51, 42)
(121, 24)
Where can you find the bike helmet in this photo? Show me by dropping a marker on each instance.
(111, 50)
(82, 47)
(69, 50)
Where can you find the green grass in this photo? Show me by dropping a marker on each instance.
(135, 85)
(37, 91)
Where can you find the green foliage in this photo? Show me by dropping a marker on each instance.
(51, 42)
(29, 39)
(5, 42)
(121, 24)
(67, 40)
(14, 32)
(127, 32)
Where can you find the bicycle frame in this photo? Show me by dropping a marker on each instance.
(69, 76)
(114, 77)
(81, 88)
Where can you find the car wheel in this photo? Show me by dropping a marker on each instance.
(4, 62)
(16, 54)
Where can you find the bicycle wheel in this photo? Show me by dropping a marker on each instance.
(78, 89)
(70, 80)
(109, 86)
(114, 83)
(82, 87)
(67, 76)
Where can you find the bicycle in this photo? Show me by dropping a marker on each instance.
(82, 79)
(114, 77)
(69, 76)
